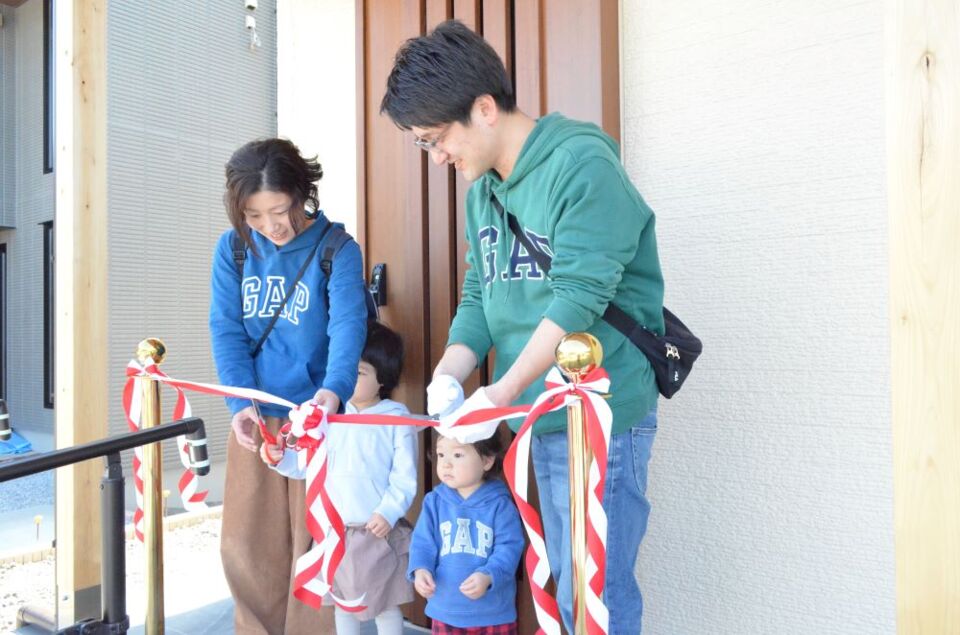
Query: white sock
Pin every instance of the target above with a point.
(390, 622)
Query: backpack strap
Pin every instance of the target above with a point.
(239, 251)
(336, 238)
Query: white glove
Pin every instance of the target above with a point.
(444, 395)
(475, 431)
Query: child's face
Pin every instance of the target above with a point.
(461, 466)
(367, 390)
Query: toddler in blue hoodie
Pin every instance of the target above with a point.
(467, 542)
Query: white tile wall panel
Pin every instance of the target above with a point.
(755, 131)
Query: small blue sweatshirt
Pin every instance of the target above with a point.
(310, 347)
(455, 538)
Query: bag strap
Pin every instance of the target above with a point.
(239, 251)
(614, 315)
(543, 260)
(293, 285)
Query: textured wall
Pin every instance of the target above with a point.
(184, 91)
(315, 38)
(28, 197)
(755, 130)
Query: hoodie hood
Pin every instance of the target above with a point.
(485, 495)
(549, 133)
(304, 240)
(383, 407)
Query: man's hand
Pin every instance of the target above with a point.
(444, 395)
(423, 583)
(475, 587)
(378, 525)
(327, 399)
(244, 423)
(473, 432)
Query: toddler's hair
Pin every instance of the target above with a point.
(494, 446)
(384, 351)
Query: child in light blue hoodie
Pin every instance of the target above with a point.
(371, 480)
(467, 542)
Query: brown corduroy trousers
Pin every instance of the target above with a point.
(263, 534)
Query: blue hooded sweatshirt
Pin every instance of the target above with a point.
(311, 346)
(455, 538)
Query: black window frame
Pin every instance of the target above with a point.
(49, 308)
(49, 149)
(3, 321)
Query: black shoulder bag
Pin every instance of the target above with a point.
(239, 258)
(671, 356)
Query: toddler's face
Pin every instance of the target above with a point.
(367, 389)
(460, 466)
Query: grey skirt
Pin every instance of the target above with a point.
(376, 567)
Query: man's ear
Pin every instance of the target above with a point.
(485, 107)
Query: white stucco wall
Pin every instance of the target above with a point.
(755, 131)
(317, 95)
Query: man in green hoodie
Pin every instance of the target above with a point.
(564, 183)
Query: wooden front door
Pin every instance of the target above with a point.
(563, 56)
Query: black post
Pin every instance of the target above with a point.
(113, 584)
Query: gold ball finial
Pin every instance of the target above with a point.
(151, 349)
(578, 354)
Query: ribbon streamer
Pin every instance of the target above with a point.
(316, 569)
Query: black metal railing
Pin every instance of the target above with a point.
(113, 564)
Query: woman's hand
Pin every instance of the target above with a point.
(271, 454)
(244, 423)
(423, 583)
(327, 399)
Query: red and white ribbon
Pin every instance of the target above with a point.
(191, 495)
(599, 421)
(316, 569)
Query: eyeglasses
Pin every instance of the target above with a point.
(430, 146)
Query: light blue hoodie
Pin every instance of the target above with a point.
(370, 468)
(310, 347)
(455, 538)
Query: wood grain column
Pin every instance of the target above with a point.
(923, 159)
(81, 296)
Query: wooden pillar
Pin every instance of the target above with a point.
(81, 296)
(923, 159)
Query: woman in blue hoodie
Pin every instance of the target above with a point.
(310, 353)
(467, 542)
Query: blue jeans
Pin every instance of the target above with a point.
(627, 509)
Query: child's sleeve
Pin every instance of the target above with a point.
(402, 486)
(424, 544)
(291, 465)
(507, 545)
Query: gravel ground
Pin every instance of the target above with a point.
(193, 576)
(28, 491)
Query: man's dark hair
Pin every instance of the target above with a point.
(384, 351)
(436, 78)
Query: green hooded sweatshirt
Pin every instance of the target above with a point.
(574, 200)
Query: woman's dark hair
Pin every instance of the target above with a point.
(492, 447)
(436, 78)
(273, 165)
(384, 351)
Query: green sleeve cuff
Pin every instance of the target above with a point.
(568, 316)
(476, 340)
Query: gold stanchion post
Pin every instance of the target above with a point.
(577, 354)
(152, 350)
